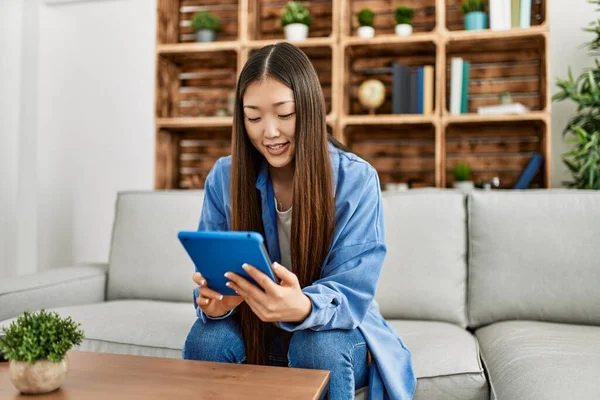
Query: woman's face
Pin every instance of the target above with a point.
(270, 120)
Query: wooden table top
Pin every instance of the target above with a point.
(110, 376)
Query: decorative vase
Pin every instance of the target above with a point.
(296, 32)
(38, 377)
(475, 21)
(404, 30)
(366, 32)
(205, 35)
(464, 186)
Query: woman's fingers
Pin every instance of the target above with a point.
(209, 293)
(198, 279)
(202, 301)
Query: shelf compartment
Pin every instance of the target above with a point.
(373, 61)
(226, 10)
(455, 16)
(196, 86)
(515, 64)
(264, 19)
(399, 153)
(385, 20)
(495, 149)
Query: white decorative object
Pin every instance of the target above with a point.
(38, 377)
(404, 30)
(464, 186)
(296, 32)
(503, 109)
(366, 32)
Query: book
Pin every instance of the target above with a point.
(399, 88)
(525, 20)
(515, 21)
(530, 171)
(503, 109)
(506, 13)
(464, 98)
(456, 85)
(420, 84)
(429, 89)
(495, 22)
(412, 90)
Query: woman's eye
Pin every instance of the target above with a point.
(253, 119)
(286, 116)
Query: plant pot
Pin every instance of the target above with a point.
(205, 35)
(404, 30)
(464, 186)
(296, 32)
(39, 377)
(366, 32)
(475, 21)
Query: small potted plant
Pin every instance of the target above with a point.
(366, 18)
(206, 25)
(475, 16)
(36, 346)
(462, 177)
(404, 17)
(296, 20)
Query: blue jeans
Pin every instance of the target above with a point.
(342, 352)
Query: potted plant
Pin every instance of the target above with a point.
(296, 20)
(404, 16)
(366, 18)
(583, 130)
(475, 16)
(462, 177)
(206, 25)
(36, 346)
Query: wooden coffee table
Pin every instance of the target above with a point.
(114, 377)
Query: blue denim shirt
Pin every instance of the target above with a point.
(343, 296)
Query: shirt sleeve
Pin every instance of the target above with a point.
(341, 297)
(212, 218)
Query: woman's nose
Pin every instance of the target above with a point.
(271, 130)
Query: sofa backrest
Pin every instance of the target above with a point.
(534, 255)
(425, 270)
(147, 261)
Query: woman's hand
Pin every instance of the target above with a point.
(212, 303)
(283, 302)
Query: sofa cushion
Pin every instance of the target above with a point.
(138, 327)
(147, 261)
(534, 255)
(424, 273)
(541, 360)
(445, 360)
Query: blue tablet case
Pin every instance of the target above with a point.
(215, 253)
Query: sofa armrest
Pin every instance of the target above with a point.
(56, 287)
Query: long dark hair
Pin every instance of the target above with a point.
(313, 219)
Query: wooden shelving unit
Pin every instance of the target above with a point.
(194, 80)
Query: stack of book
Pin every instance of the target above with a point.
(508, 14)
(459, 86)
(412, 89)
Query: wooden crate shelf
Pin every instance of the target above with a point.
(455, 17)
(194, 80)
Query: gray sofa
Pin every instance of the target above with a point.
(497, 294)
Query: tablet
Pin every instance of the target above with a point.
(215, 253)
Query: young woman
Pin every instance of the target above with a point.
(319, 210)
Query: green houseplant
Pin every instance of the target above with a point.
(366, 19)
(475, 16)
(206, 25)
(404, 16)
(462, 173)
(296, 20)
(583, 129)
(36, 345)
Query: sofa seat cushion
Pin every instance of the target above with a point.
(138, 327)
(540, 360)
(445, 359)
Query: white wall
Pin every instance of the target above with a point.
(567, 18)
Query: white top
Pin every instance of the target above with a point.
(284, 233)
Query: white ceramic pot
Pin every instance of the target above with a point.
(464, 186)
(205, 35)
(366, 32)
(404, 30)
(296, 32)
(38, 377)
